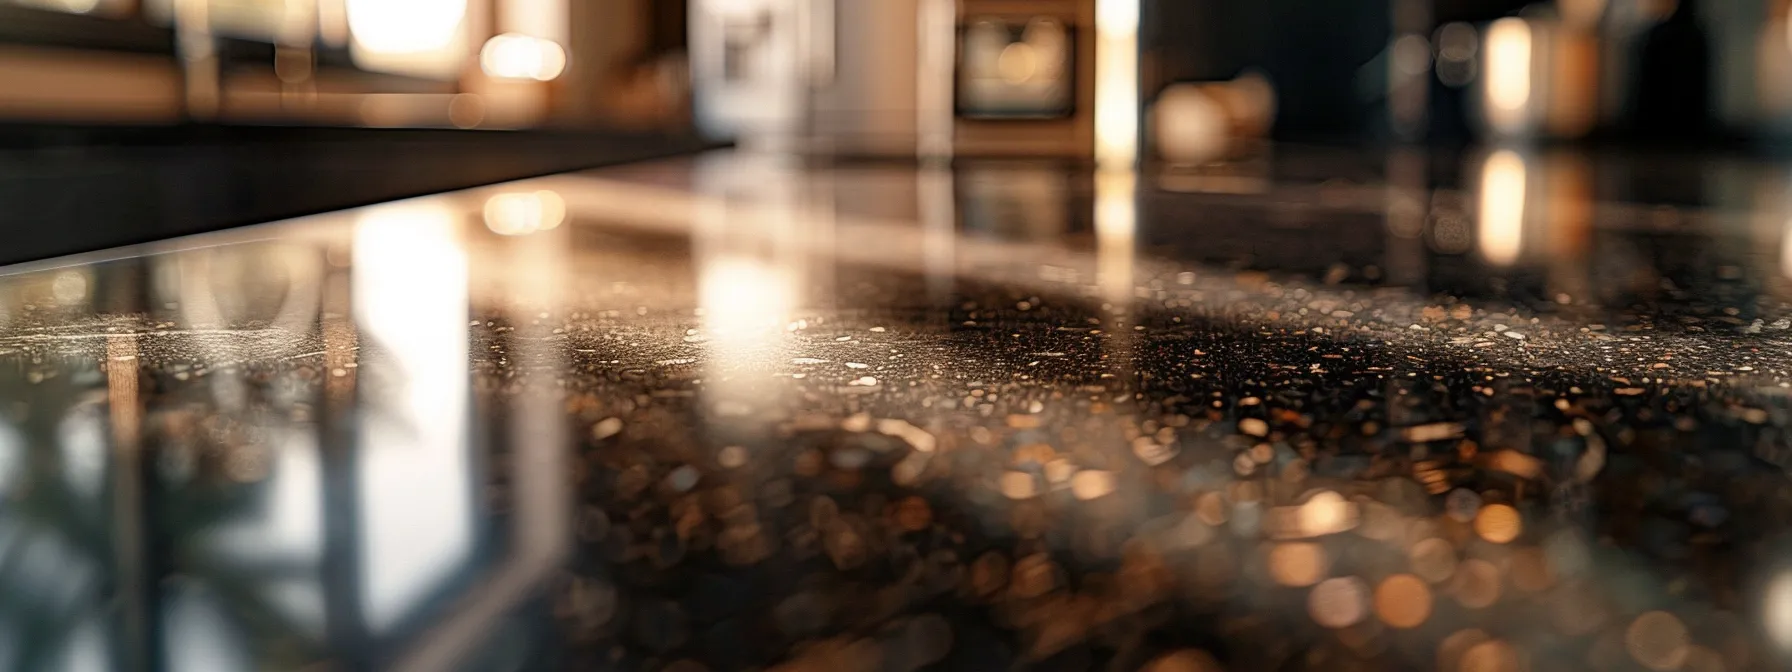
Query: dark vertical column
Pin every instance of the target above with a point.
(345, 625)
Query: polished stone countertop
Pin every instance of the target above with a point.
(1311, 410)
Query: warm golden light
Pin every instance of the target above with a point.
(1786, 251)
(514, 56)
(1116, 83)
(405, 26)
(1498, 523)
(1581, 14)
(1450, 652)
(1187, 660)
(1298, 564)
(516, 214)
(1501, 231)
(1339, 603)
(1508, 87)
(1327, 513)
(1116, 227)
(1092, 484)
(1017, 64)
(746, 302)
(1403, 601)
(1188, 125)
(1492, 656)
(1776, 610)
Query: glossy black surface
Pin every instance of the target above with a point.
(1319, 411)
(70, 189)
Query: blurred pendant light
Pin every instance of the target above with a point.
(518, 56)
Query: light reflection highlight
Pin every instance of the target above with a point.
(1501, 230)
(749, 286)
(414, 465)
(1776, 610)
(517, 214)
(1116, 230)
(1786, 250)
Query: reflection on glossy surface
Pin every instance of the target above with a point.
(1501, 230)
(737, 412)
(523, 213)
(416, 484)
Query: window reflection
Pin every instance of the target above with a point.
(413, 464)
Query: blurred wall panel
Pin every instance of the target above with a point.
(601, 35)
(873, 109)
(71, 85)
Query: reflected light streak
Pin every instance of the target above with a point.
(415, 482)
(1786, 251)
(1116, 224)
(1508, 87)
(748, 289)
(517, 214)
(1116, 83)
(1501, 230)
(749, 286)
(1776, 611)
(531, 275)
(935, 201)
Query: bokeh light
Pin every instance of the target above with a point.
(1298, 564)
(1403, 601)
(1658, 641)
(516, 56)
(1498, 523)
(1339, 603)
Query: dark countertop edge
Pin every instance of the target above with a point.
(45, 237)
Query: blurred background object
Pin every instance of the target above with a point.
(411, 63)
(922, 77)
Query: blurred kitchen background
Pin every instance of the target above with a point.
(928, 77)
(143, 119)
